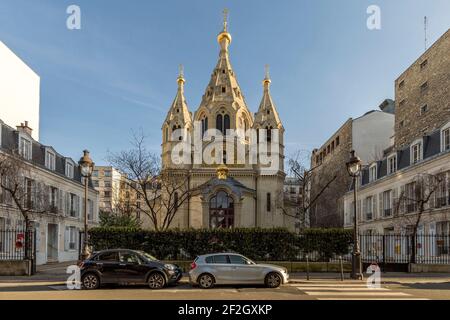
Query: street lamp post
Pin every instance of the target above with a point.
(354, 170)
(86, 168)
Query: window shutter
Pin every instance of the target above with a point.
(374, 207)
(402, 200)
(380, 205)
(394, 202)
(67, 206)
(66, 238)
(61, 202)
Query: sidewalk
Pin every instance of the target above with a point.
(54, 273)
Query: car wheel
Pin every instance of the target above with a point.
(206, 281)
(90, 281)
(273, 280)
(156, 281)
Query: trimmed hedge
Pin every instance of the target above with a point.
(257, 244)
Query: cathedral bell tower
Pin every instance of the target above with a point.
(178, 124)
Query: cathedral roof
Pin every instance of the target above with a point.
(230, 183)
(223, 85)
(179, 110)
(267, 112)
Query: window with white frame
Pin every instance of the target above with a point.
(74, 205)
(25, 148)
(387, 203)
(50, 160)
(392, 164)
(69, 169)
(416, 152)
(368, 207)
(71, 238)
(446, 139)
(373, 172)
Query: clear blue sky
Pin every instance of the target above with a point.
(118, 72)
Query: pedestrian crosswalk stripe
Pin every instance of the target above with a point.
(342, 289)
(375, 298)
(383, 293)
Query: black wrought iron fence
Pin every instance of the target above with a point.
(402, 248)
(16, 245)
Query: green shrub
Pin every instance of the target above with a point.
(258, 244)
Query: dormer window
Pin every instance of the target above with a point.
(50, 160)
(445, 136)
(373, 172)
(392, 164)
(69, 169)
(416, 152)
(25, 147)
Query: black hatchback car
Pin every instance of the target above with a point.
(123, 266)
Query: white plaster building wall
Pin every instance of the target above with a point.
(41, 221)
(19, 91)
(371, 134)
(396, 181)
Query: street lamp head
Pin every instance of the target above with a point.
(354, 164)
(86, 165)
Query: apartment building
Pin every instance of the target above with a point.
(368, 135)
(418, 160)
(53, 191)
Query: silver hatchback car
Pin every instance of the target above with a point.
(233, 268)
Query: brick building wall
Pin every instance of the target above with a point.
(422, 94)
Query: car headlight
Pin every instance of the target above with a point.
(170, 267)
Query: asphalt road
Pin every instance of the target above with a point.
(305, 290)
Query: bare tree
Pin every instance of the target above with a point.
(21, 191)
(416, 197)
(306, 199)
(162, 191)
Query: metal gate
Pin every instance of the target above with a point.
(18, 245)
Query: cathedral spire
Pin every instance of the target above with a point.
(179, 114)
(223, 88)
(267, 115)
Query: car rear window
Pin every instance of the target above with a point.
(237, 259)
(217, 259)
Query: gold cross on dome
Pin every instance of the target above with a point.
(181, 70)
(267, 68)
(225, 19)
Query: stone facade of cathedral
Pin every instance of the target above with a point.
(236, 188)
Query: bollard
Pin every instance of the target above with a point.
(307, 267)
(342, 268)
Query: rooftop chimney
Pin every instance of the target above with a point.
(24, 128)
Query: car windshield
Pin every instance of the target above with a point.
(148, 256)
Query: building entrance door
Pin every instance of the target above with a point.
(52, 242)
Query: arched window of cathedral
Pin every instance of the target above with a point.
(226, 123)
(219, 123)
(221, 211)
(269, 133)
(223, 123)
(204, 125)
